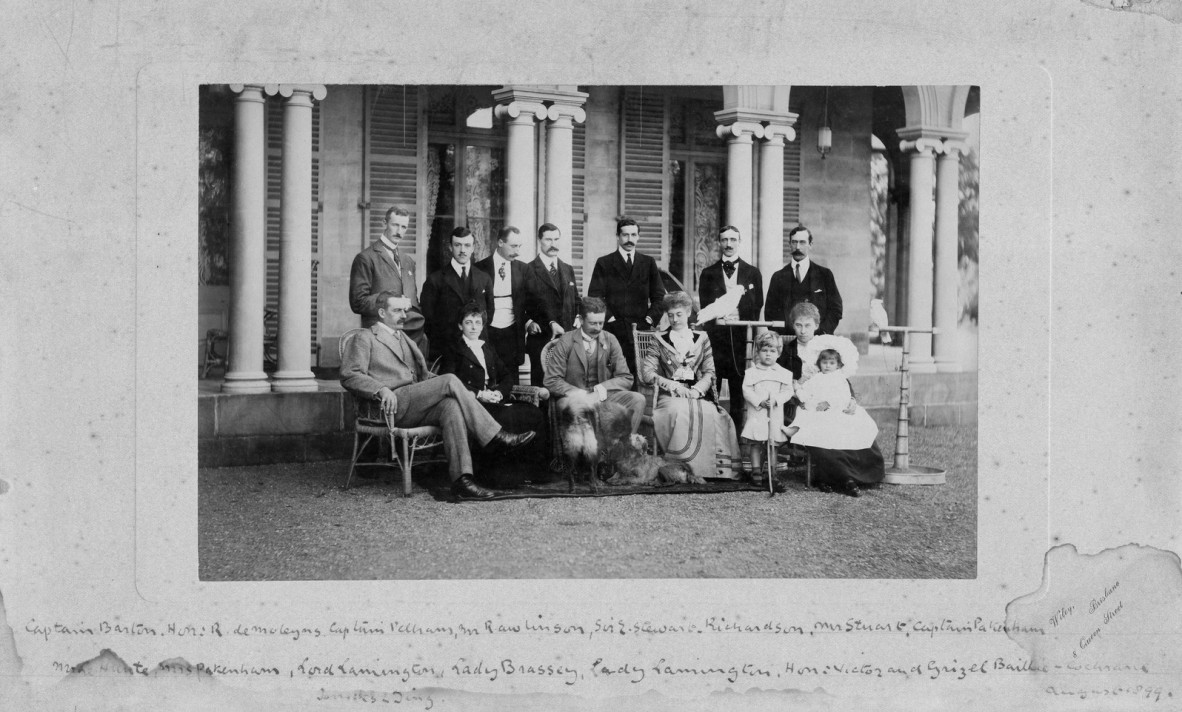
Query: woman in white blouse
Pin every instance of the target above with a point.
(689, 425)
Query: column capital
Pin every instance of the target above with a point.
(566, 111)
(938, 133)
(954, 146)
(248, 92)
(772, 133)
(520, 110)
(313, 91)
(923, 146)
(739, 130)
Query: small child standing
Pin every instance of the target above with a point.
(767, 386)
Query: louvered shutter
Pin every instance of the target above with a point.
(646, 161)
(791, 191)
(274, 156)
(393, 163)
(578, 225)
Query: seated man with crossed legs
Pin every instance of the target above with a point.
(383, 365)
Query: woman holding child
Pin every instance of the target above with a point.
(838, 433)
(689, 425)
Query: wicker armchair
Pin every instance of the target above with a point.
(405, 443)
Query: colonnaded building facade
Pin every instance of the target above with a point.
(295, 181)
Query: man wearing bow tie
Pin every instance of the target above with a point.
(729, 343)
(552, 298)
(381, 268)
(388, 375)
(803, 280)
(506, 327)
(630, 283)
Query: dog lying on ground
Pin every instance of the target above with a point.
(597, 437)
(633, 465)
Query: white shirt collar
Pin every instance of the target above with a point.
(389, 245)
(548, 261)
(804, 265)
(587, 338)
(734, 261)
(625, 254)
(474, 344)
(457, 266)
(389, 331)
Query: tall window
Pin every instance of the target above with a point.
(465, 170)
(697, 172)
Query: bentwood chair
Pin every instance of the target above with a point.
(552, 411)
(641, 341)
(405, 443)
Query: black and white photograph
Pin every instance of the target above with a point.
(484, 320)
(672, 356)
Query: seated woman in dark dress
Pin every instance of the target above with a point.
(834, 469)
(476, 364)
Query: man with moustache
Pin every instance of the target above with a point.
(380, 268)
(630, 284)
(729, 343)
(552, 299)
(589, 360)
(388, 375)
(803, 280)
(447, 290)
(506, 322)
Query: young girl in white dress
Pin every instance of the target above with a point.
(767, 386)
(829, 417)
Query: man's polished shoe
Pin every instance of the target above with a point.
(466, 488)
(504, 442)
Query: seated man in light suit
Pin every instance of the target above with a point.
(385, 366)
(590, 360)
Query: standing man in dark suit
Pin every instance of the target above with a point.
(630, 283)
(552, 299)
(380, 268)
(729, 343)
(803, 280)
(388, 374)
(447, 290)
(506, 322)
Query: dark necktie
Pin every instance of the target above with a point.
(629, 263)
(798, 276)
(729, 268)
(554, 274)
(464, 280)
(397, 262)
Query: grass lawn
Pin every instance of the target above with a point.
(293, 522)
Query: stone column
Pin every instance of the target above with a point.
(771, 197)
(244, 373)
(521, 167)
(295, 240)
(738, 176)
(947, 267)
(560, 135)
(919, 268)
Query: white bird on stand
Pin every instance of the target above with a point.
(721, 307)
(878, 318)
